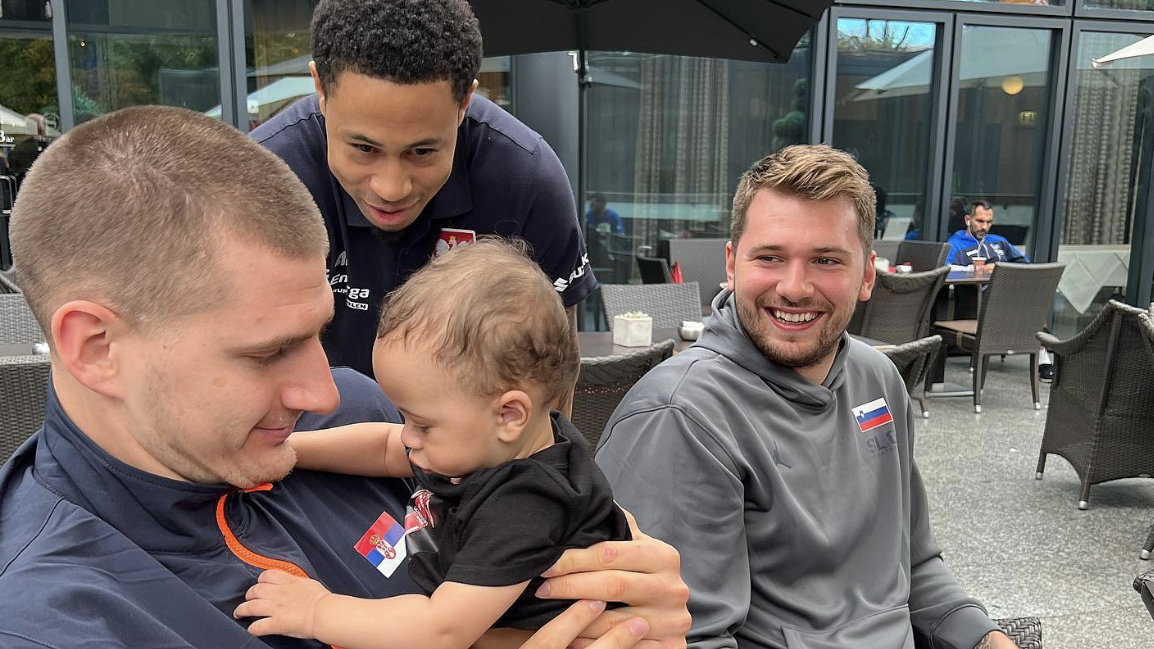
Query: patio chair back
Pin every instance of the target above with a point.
(653, 270)
(23, 390)
(604, 380)
(1101, 415)
(913, 360)
(922, 255)
(667, 304)
(899, 309)
(1015, 305)
(887, 248)
(17, 324)
(703, 261)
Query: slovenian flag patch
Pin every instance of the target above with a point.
(383, 544)
(873, 414)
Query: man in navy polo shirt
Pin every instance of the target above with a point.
(405, 160)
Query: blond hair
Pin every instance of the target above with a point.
(492, 317)
(812, 171)
(130, 209)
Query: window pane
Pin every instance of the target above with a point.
(1113, 141)
(276, 56)
(1137, 5)
(1034, 3)
(1003, 111)
(132, 52)
(882, 110)
(668, 138)
(24, 10)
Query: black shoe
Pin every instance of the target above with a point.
(1046, 372)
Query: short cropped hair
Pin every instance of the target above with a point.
(402, 41)
(812, 171)
(985, 205)
(129, 210)
(492, 318)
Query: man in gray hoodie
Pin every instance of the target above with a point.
(776, 453)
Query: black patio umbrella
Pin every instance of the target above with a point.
(751, 30)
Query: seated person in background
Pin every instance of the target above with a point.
(776, 453)
(976, 241)
(601, 218)
(479, 354)
(158, 489)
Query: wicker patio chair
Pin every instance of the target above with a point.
(1015, 305)
(1147, 326)
(913, 360)
(1026, 632)
(703, 261)
(922, 255)
(17, 324)
(1101, 415)
(604, 380)
(8, 283)
(899, 309)
(888, 249)
(23, 390)
(668, 304)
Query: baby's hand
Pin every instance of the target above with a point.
(286, 604)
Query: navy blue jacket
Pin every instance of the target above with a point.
(94, 553)
(505, 181)
(994, 248)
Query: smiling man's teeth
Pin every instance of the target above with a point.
(794, 317)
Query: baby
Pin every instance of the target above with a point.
(475, 350)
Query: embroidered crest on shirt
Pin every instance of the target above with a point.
(383, 544)
(451, 238)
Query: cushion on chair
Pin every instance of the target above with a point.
(957, 332)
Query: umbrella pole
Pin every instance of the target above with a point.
(582, 116)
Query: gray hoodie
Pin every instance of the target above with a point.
(801, 520)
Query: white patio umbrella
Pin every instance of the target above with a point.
(992, 57)
(1144, 47)
(275, 95)
(13, 123)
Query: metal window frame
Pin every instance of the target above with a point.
(965, 7)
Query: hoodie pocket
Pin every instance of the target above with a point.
(889, 629)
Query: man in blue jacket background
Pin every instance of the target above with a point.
(976, 241)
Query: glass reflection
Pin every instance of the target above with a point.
(882, 114)
(1109, 172)
(668, 137)
(132, 52)
(1000, 137)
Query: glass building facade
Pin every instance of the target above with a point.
(943, 101)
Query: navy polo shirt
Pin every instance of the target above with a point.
(506, 180)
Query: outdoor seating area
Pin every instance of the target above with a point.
(326, 298)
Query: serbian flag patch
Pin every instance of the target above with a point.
(873, 414)
(383, 544)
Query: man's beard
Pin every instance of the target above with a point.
(752, 317)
